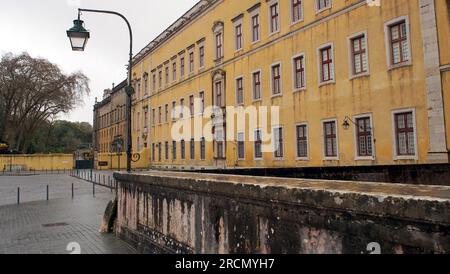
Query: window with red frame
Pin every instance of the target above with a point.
(399, 43)
(405, 135)
(274, 17)
(364, 137)
(238, 37)
(276, 79)
(297, 10)
(330, 136)
(255, 28)
(239, 91)
(359, 55)
(299, 72)
(326, 60)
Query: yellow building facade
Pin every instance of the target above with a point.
(355, 82)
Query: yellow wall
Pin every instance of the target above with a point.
(38, 161)
(443, 22)
(378, 94)
(113, 161)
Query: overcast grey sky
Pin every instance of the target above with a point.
(39, 27)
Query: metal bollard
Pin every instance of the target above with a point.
(47, 193)
(18, 195)
(93, 190)
(72, 190)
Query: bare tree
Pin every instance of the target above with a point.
(32, 91)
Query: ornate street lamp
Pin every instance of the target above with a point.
(78, 36)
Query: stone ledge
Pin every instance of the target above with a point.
(418, 203)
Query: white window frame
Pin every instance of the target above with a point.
(272, 95)
(236, 90)
(237, 145)
(352, 75)
(326, 158)
(270, 3)
(191, 51)
(319, 63)
(235, 25)
(394, 135)
(355, 137)
(192, 114)
(291, 6)
(307, 140)
(201, 45)
(260, 86)
(253, 14)
(202, 107)
(253, 145)
(274, 143)
(294, 88)
(316, 6)
(387, 38)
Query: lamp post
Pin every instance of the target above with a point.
(79, 36)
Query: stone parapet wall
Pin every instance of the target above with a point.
(170, 212)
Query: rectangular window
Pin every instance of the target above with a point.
(297, 10)
(153, 152)
(276, 79)
(146, 85)
(326, 64)
(240, 91)
(219, 45)
(154, 82)
(364, 137)
(159, 115)
(302, 141)
(202, 102)
(255, 28)
(159, 152)
(218, 93)
(191, 105)
(183, 149)
(359, 54)
(278, 138)
(299, 72)
(220, 143)
(192, 149)
(330, 139)
(405, 135)
(166, 113)
(201, 54)
(274, 17)
(174, 150)
(241, 145)
(258, 144)
(202, 148)
(174, 115)
(174, 71)
(181, 108)
(160, 78)
(323, 4)
(257, 85)
(399, 43)
(191, 62)
(238, 30)
(153, 117)
(167, 74)
(182, 66)
(166, 150)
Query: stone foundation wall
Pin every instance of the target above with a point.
(169, 212)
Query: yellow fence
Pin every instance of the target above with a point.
(36, 162)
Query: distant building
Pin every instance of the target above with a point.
(110, 125)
